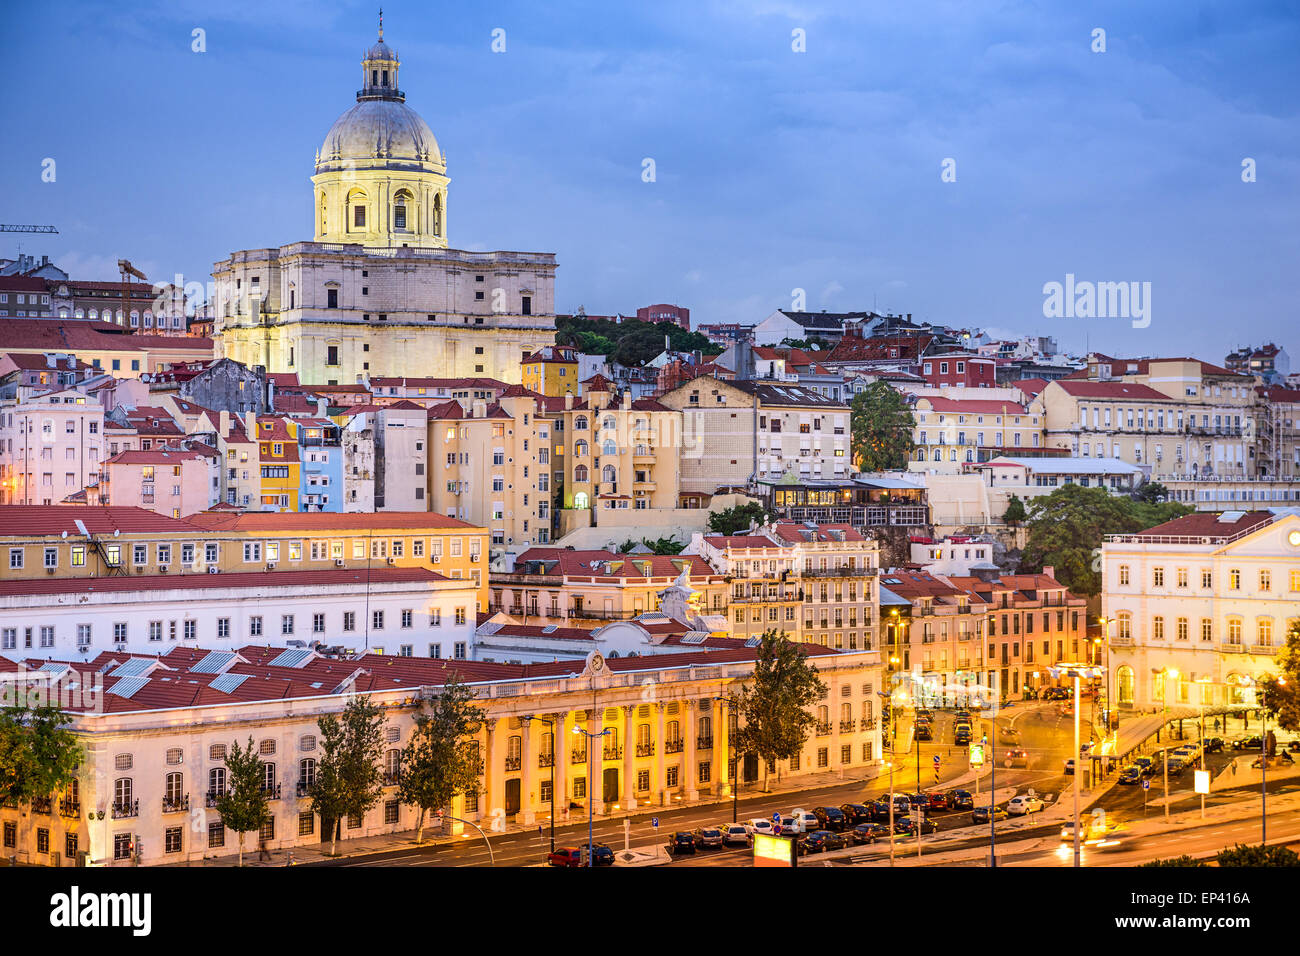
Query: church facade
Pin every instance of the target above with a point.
(379, 290)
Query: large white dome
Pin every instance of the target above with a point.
(380, 134)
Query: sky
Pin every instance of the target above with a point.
(775, 169)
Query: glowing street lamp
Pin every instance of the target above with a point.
(1086, 672)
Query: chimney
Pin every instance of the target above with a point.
(568, 401)
(223, 422)
(627, 400)
(1049, 570)
(478, 409)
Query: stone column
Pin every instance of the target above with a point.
(595, 763)
(720, 739)
(629, 757)
(661, 744)
(493, 772)
(563, 744)
(690, 728)
(527, 774)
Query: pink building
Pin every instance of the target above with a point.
(167, 481)
(665, 313)
(51, 446)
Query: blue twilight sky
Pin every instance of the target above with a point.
(776, 170)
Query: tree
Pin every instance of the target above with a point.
(1273, 855)
(737, 519)
(1177, 861)
(441, 759)
(881, 427)
(773, 710)
(1152, 492)
(243, 806)
(1015, 512)
(38, 754)
(348, 780)
(667, 545)
(1067, 527)
(1281, 698)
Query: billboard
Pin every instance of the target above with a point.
(775, 851)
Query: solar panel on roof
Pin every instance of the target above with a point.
(54, 666)
(214, 662)
(227, 683)
(1231, 517)
(549, 629)
(694, 637)
(135, 667)
(128, 686)
(753, 642)
(291, 658)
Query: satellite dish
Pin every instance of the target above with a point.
(116, 532)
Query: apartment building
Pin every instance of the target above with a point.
(588, 588)
(51, 446)
(1206, 599)
(950, 433)
(552, 371)
(490, 465)
(157, 739)
(737, 433)
(320, 463)
(169, 481)
(618, 455)
(101, 346)
(815, 583)
(426, 392)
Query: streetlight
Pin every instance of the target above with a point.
(1077, 671)
(731, 751)
(1204, 682)
(550, 724)
(1167, 674)
(591, 773)
(1263, 761)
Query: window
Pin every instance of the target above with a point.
(377, 620)
(1158, 577)
(1234, 579)
(1265, 580)
(216, 835)
(172, 840)
(306, 823)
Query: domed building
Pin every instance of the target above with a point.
(379, 292)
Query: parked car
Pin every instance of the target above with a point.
(708, 837)
(788, 826)
(602, 855)
(923, 732)
(1147, 765)
(814, 842)
(981, 814)
(830, 818)
(936, 800)
(1214, 745)
(807, 823)
(869, 832)
(683, 841)
(1248, 742)
(1130, 774)
(1022, 804)
(855, 813)
(836, 841)
(1008, 735)
(959, 800)
(734, 834)
(760, 825)
(1069, 767)
(907, 827)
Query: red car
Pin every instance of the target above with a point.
(572, 856)
(936, 801)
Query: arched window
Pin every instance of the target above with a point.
(580, 474)
(580, 449)
(581, 501)
(823, 714)
(706, 728)
(580, 423)
(324, 214)
(1125, 677)
(81, 314)
(437, 215)
(401, 201)
(1264, 631)
(217, 781)
(94, 313)
(609, 473)
(938, 454)
(920, 454)
(174, 788)
(608, 448)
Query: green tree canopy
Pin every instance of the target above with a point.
(1151, 492)
(881, 427)
(1177, 861)
(1272, 855)
(243, 805)
(1281, 698)
(1066, 529)
(442, 758)
(631, 343)
(348, 778)
(773, 707)
(736, 520)
(1015, 512)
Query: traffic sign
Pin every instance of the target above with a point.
(776, 818)
(1146, 784)
(654, 822)
(936, 761)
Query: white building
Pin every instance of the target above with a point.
(388, 610)
(1209, 596)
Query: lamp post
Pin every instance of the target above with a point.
(591, 772)
(1263, 764)
(1169, 673)
(551, 725)
(891, 813)
(1076, 671)
(1204, 682)
(732, 755)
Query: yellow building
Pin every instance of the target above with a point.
(950, 432)
(491, 466)
(86, 542)
(278, 463)
(552, 371)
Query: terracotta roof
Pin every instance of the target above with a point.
(974, 406)
(1207, 524)
(157, 456)
(1030, 386)
(325, 521)
(1080, 388)
(38, 362)
(794, 531)
(55, 519)
(598, 563)
(540, 630)
(259, 580)
(389, 382)
(853, 348)
(741, 542)
(598, 383)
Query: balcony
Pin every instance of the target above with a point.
(867, 723)
(613, 753)
(837, 572)
(1264, 650)
(600, 614)
(1227, 647)
(645, 750)
(578, 756)
(514, 762)
(393, 778)
(846, 726)
(272, 792)
(546, 760)
(703, 743)
(43, 805)
(70, 807)
(673, 746)
(125, 809)
(177, 804)
(303, 787)
(823, 729)
(211, 798)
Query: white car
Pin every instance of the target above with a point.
(805, 821)
(759, 825)
(1018, 806)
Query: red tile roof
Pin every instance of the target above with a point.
(974, 406)
(794, 531)
(741, 542)
(55, 519)
(156, 456)
(327, 521)
(1207, 524)
(1118, 391)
